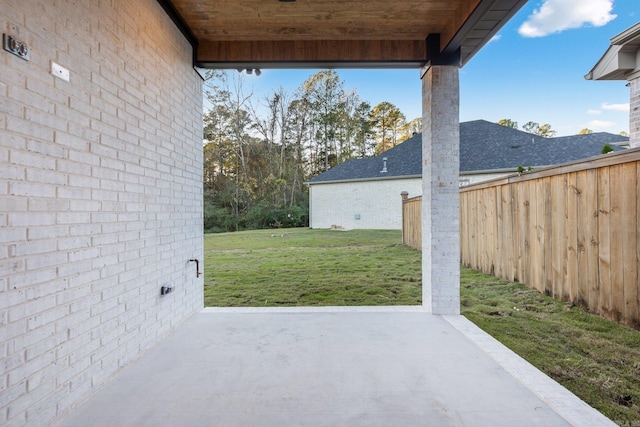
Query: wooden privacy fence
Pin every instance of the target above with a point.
(570, 231)
(412, 222)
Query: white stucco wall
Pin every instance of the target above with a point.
(100, 197)
(378, 203)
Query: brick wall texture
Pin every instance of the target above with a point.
(100, 197)
(440, 192)
(378, 203)
(634, 113)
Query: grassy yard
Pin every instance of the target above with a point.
(310, 267)
(596, 359)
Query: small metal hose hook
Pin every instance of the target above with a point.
(198, 273)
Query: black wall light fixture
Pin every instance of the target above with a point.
(258, 71)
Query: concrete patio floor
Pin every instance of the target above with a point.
(349, 366)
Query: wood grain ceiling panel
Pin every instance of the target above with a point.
(244, 33)
(251, 20)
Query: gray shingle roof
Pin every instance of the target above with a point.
(484, 146)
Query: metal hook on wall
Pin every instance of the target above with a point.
(198, 273)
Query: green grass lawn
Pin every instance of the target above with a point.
(310, 267)
(596, 359)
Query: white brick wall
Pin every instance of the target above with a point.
(634, 112)
(100, 197)
(378, 203)
(440, 192)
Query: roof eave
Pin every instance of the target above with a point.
(608, 66)
(375, 178)
(619, 61)
(630, 35)
(489, 171)
(484, 23)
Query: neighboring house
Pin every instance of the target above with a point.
(365, 193)
(621, 61)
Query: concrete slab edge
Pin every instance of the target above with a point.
(330, 309)
(569, 406)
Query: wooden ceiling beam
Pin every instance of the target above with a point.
(310, 53)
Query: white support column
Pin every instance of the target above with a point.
(440, 197)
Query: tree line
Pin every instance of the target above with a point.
(531, 127)
(259, 153)
(543, 130)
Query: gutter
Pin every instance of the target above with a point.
(629, 35)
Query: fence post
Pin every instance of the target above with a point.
(404, 196)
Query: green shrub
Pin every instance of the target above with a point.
(606, 148)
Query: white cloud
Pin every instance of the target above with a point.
(593, 112)
(615, 107)
(495, 38)
(598, 125)
(555, 16)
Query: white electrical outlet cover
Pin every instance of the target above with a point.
(59, 71)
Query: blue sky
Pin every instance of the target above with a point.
(533, 70)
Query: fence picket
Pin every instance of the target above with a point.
(604, 249)
(630, 240)
(616, 235)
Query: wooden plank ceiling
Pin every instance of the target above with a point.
(337, 33)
